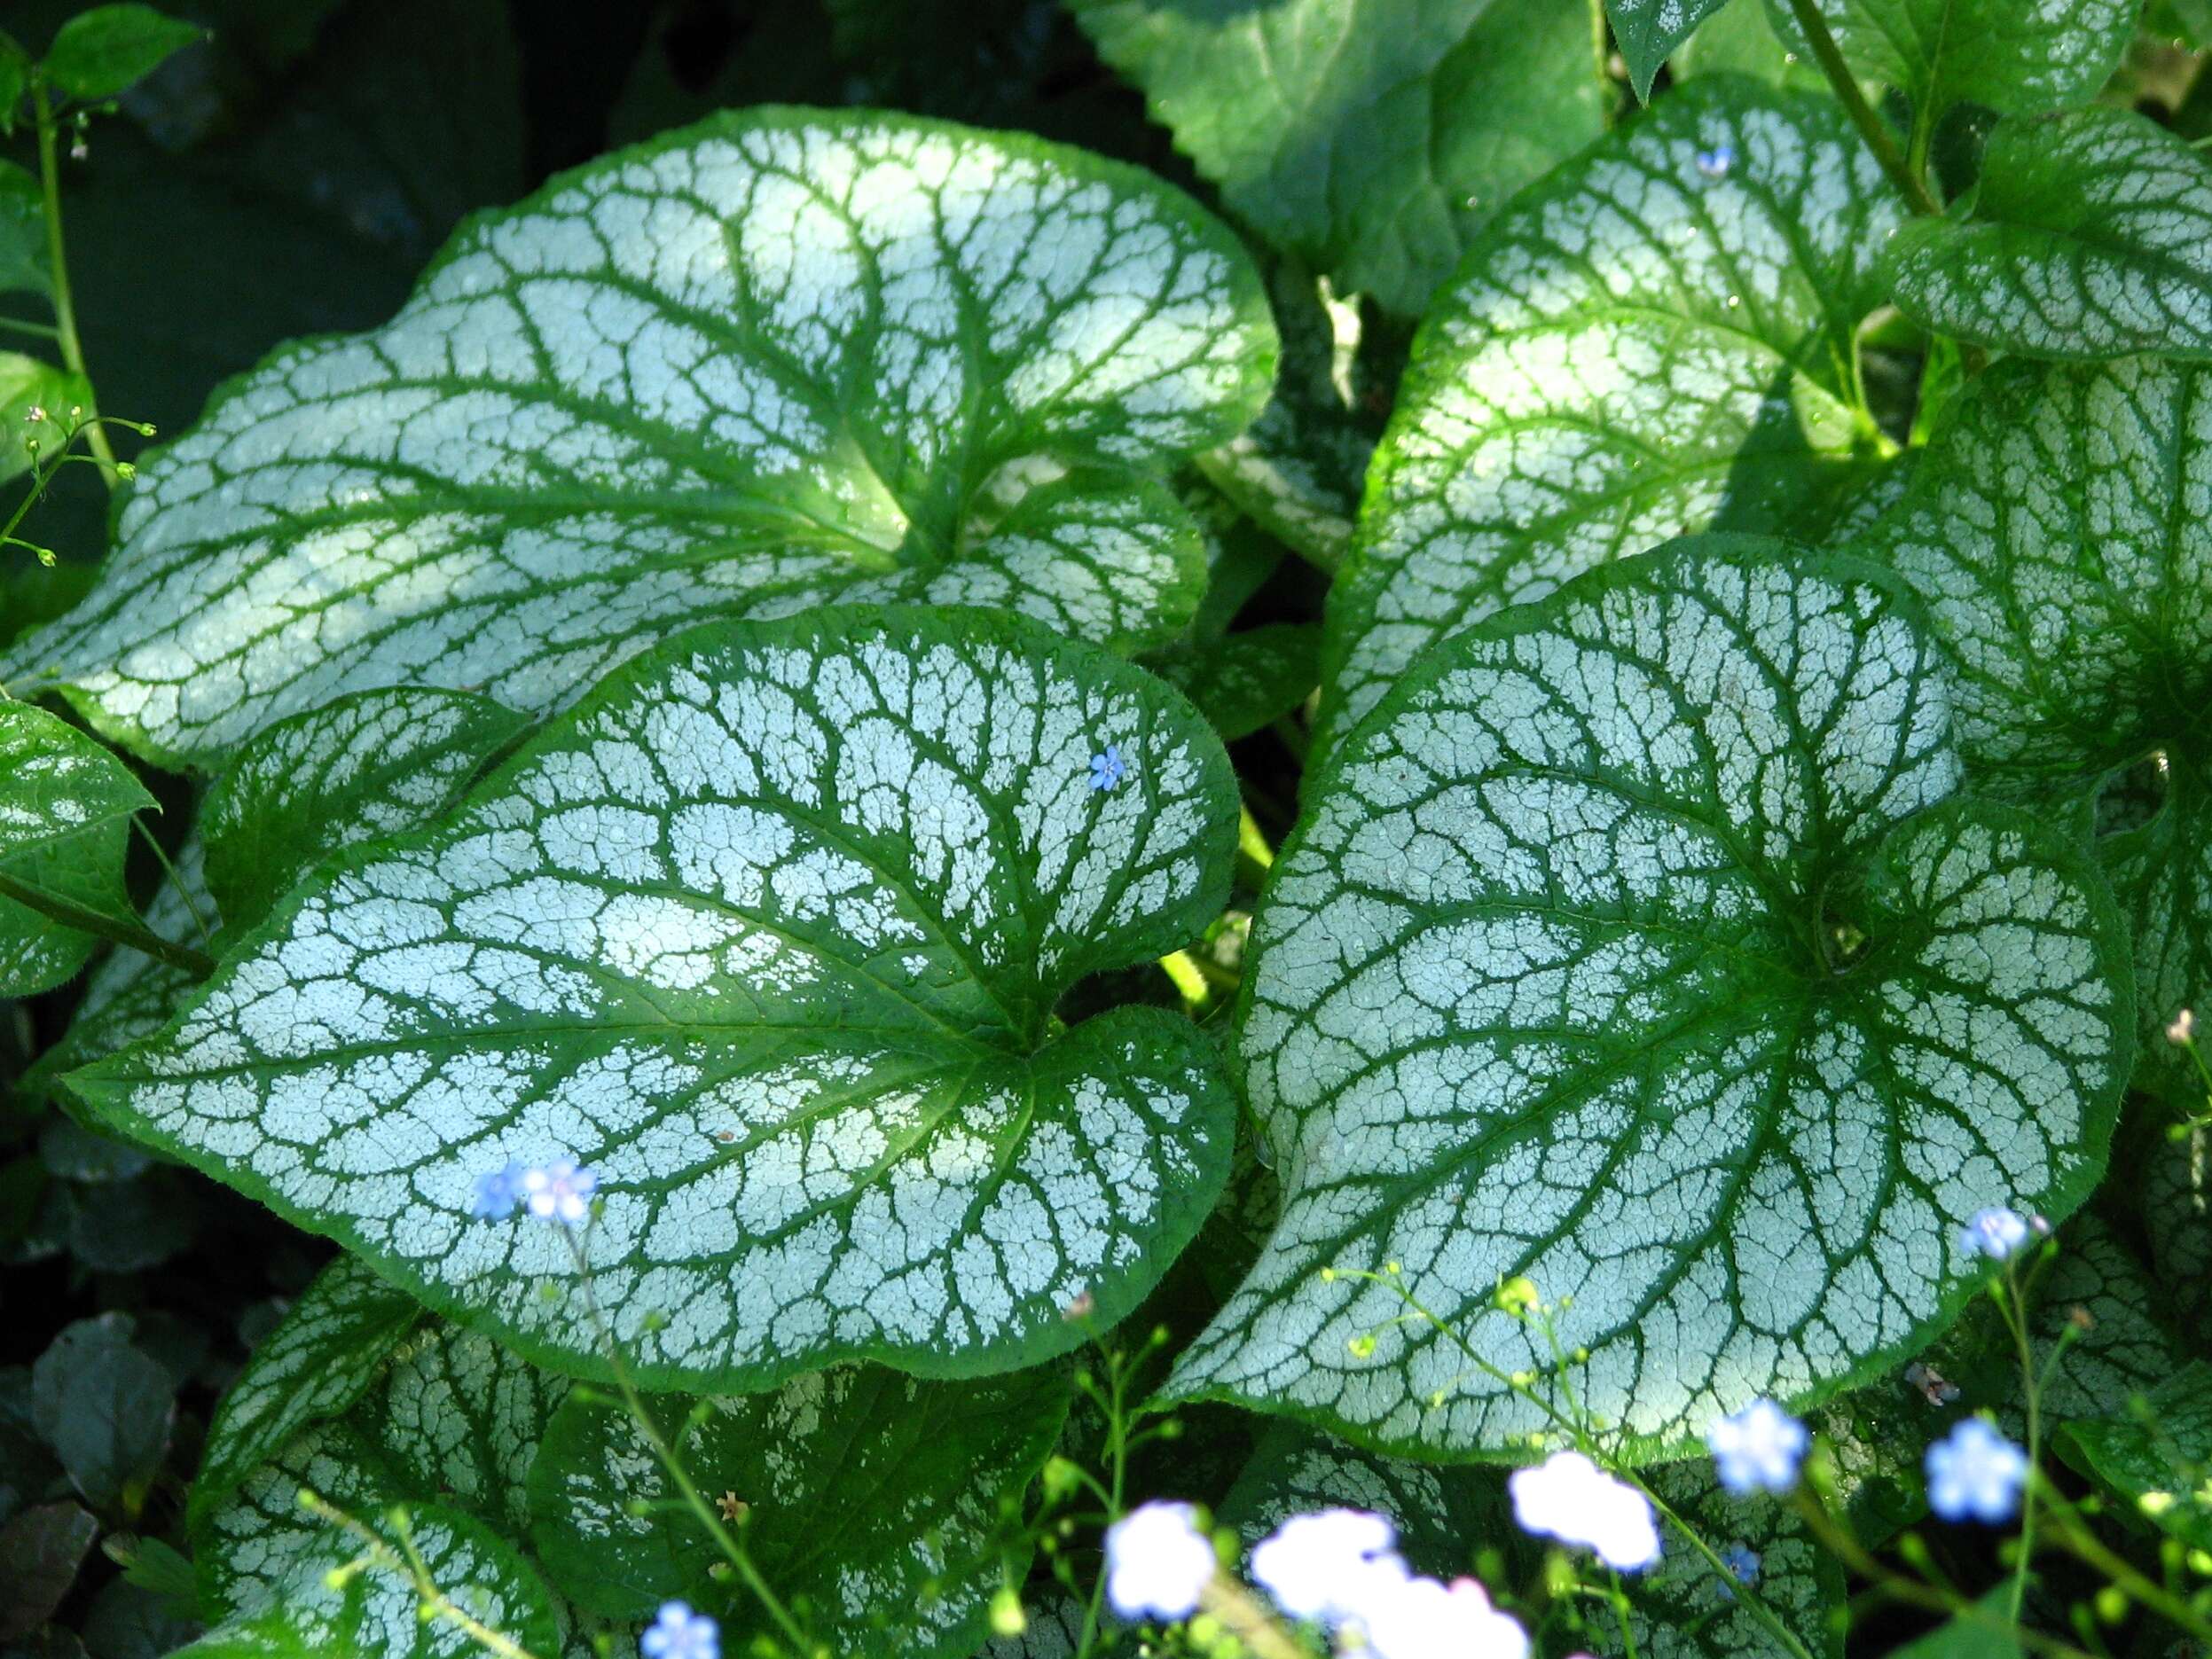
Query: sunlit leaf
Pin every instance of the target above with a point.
(769, 932)
(1636, 945)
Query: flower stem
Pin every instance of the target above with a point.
(1845, 85)
(57, 256)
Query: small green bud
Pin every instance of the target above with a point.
(1515, 1296)
(1006, 1618)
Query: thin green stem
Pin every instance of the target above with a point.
(137, 938)
(2086, 1545)
(2031, 1390)
(1845, 85)
(434, 1602)
(1116, 1496)
(24, 326)
(57, 258)
(1252, 842)
(168, 868)
(1601, 39)
(694, 1499)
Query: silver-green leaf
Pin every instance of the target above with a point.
(1655, 340)
(2091, 238)
(65, 825)
(365, 766)
(2014, 55)
(1637, 945)
(769, 931)
(2056, 531)
(781, 357)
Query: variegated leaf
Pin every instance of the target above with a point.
(330, 1608)
(1366, 138)
(2066, 576)
(2013, 56)
(2091, 238)
(770, 932)
(367, 765)
(1635, 944)
(337, 1340)
(776, 358)
(65, 825)
(451, 1417)
(1658, 339)
(2155, 1452)
(871, 1504)
(1647, 32)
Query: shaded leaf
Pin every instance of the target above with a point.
(1649, 31)
(101, 52)
(1366, 138)
(106, 1410)
(41, 1550)
(2158, 1456)
(2014, 55)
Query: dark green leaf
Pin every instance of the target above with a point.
(40, 1553)
(2157, 1454)
(23, 267)
(98, 53)
(1649, 31)
(106, 1410)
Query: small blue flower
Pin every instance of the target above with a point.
(559, 1191)
(1995, 1232)
(1108, 767)
(1759, 1450)
(1715, 161)
(498, 1192)
(1743, 1563)
(679, 1633)
(1976, 1473)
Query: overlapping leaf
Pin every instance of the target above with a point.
(1650, 30)
(1636, 945)
(1657, 339)
(65, 824)
(1366, 138)
(2013, 56)
(2066, 575)
(336, 1341)
(871, 1504)
(779, 357)
(365, 766)
(2091, 238)
(2157, 1453)
(769, 932)
(1686, 1610)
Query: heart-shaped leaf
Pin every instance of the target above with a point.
(1366, 139)
(1635, 945)
(1683, 1609)
(2068, 581)
(365, 766)
(337, 1340)
(870, 1504)
(2091, 238)
(1657, 339)
(779, 357)
(2014, 55)
(65, 824)
(769, 931)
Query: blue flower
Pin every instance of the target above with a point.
(1157, 1562)
(679, 1633)
(1976, 1473)
(1995, 1232)
(1759, 1450)
(1714, 163)
(1743, 1563)
(1569, 1498)
(498, 1192)
(1108, 767)
(559, 1191)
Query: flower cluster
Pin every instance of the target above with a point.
(559, 1191)
(1759, 1450)
(1569, 1498)
(681, 1633)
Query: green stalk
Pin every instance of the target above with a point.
(1830, 57)
(114, 928)
(57, 256)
